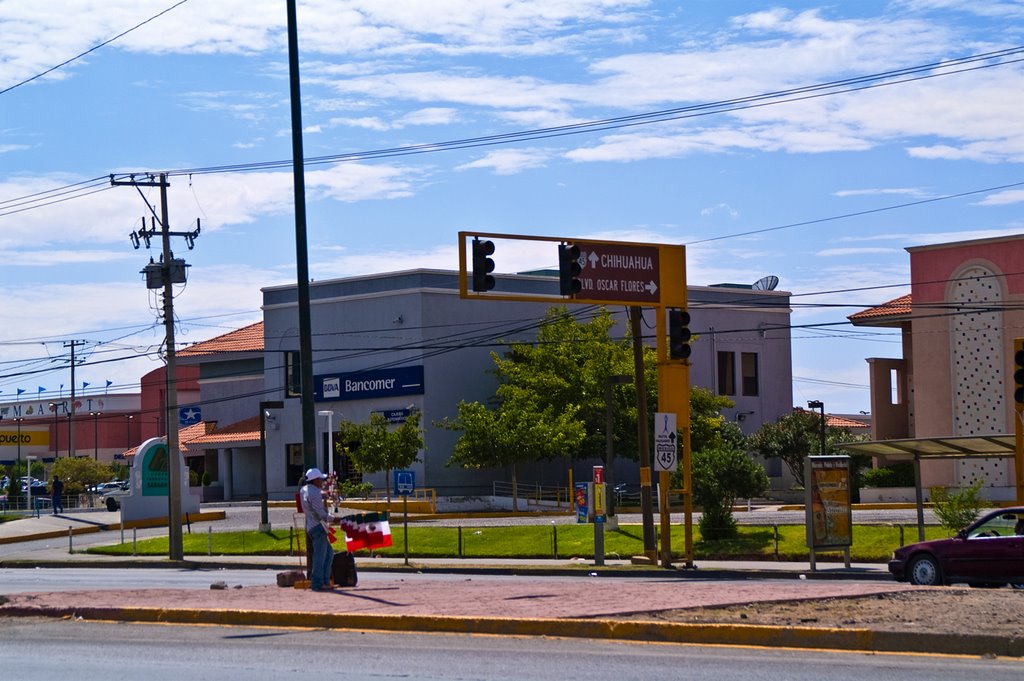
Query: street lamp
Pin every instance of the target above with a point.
(95, 434)
(264, 512)
(330, 440)
(56, 431)
(18, 421)
(128, 431)
(28, 482)
(818, 404)
(609, 453)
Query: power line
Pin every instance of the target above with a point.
(92, 49)
(944, 68)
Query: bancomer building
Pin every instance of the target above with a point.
(396, 342)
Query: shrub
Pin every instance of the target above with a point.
(896, 475)
(958, 510)
(351, 488)
(206, 479)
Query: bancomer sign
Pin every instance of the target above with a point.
(362, 385)
(619, 272)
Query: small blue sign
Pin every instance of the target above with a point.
(363, 385)
(189, 416)
(405, 482)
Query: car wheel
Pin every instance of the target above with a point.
(112, 504)
(924, 571)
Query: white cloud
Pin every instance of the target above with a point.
(881, 191)
(720, 208)
(835, 252)
(1003, 198)
(509, 161)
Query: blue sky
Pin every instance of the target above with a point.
(204, 84)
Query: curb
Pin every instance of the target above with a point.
(511, 570)
(863, 640)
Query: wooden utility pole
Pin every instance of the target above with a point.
(165, 274)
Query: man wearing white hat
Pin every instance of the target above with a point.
(317, 522)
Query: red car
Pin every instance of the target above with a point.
(989, 552)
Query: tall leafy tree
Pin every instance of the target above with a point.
(518, 430)
(379, 447)
(796, 436)
(81, 473)
(568, 366)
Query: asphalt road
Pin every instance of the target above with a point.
(42, 650)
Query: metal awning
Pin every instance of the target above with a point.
(915, 449)
(959, 447)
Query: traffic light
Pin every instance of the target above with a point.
(483, 265)
(569, 269)
(1018, 371)
(678, 334)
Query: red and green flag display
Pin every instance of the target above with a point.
(366, 531)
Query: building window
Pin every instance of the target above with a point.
(748, 366)
(726, 373)
(292, 375)
(296, 459)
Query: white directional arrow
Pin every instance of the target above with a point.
(652, 288)
(593, 259)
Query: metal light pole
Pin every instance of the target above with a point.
(18, 421)
(56, 431)
(818, 404)
(95, 434)
(28, 482)
(128, 431)
(264, 512)
(330, 440)
(609, 450)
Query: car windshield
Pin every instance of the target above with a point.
(1001, 525)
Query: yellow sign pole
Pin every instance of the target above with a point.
(674, 396)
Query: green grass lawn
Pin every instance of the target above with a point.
(871, 543)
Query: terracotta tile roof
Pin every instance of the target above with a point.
(843, 422)
(897, 307)
(246, 339)
(247, 430)
(185, 436)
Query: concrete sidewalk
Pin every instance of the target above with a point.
(598, 603)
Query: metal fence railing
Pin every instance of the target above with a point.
(534, 493)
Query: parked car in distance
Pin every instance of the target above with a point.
(111, 498)
(107, 486)
(989, 552)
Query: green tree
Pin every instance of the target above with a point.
(792, 438)
(517, 431)
(722, 474)
(568, 366)
(79, 474)
(381, 448)
(708, 428)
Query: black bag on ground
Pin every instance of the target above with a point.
(343, 570)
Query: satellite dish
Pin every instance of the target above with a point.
(766, 283)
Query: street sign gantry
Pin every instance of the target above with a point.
(597, 272)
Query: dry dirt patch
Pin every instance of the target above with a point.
(935, 610)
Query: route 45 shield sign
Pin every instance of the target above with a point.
(666, 442)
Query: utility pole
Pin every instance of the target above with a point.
(309, 436)
(71, 414)
(165, 274)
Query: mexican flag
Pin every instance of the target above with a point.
(366, 531)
